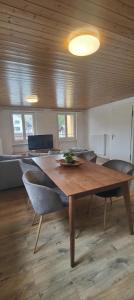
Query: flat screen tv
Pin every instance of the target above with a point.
(42, 141)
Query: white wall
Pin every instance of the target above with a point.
(114, 120)
(5, 131)
(46, 123)
(82, 129)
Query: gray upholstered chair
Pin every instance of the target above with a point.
(27, 164)
(43, 198)
(121, 166)
(89, 155)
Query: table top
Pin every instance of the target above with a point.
(88, 177)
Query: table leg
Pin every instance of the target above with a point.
(126, 194)
(72, 231)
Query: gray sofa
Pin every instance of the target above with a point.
(11, 168)
(10, 174)
(10, 171)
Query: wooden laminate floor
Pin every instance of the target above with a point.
(106, 259)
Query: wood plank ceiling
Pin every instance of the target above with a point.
(34, 58)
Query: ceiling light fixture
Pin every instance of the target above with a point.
(84, 44)
(32, 99)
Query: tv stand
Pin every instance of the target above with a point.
(39, 151)
(43, 151)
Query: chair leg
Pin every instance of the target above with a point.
(38, 233)
(111, 203)
(33, 223)
(90, 206)
(105, 213)
(28, 203)
(77, 233)
(89, 213)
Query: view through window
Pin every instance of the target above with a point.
(66, 125)
(22, 126)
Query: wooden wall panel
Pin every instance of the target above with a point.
(34, 58)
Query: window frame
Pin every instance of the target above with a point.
(22, 113)
(66, 138)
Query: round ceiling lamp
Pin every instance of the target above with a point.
(32, 99)
(84, 44)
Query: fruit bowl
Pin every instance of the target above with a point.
(74, 163)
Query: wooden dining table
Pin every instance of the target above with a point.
(88, 178)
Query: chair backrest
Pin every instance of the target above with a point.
(120, 165)
(43, 199)
(28, 164)
(90, 156)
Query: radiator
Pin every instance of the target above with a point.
(98, 143)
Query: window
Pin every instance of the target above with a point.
(23, 125)
(67, 125)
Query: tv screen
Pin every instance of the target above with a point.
(44, 141)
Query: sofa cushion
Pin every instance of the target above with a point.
(10, 174)
(78, 150)
(9, 157)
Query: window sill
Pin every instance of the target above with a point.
(68, 139)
